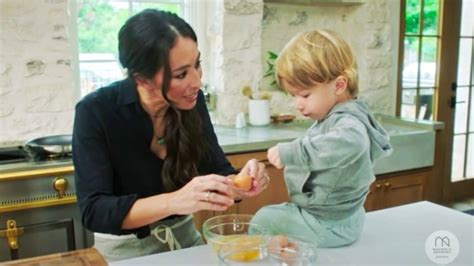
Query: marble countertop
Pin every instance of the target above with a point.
(404, 235)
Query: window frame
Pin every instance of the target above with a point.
(191, 11)
(401, 56)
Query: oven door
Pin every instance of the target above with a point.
(29, 240)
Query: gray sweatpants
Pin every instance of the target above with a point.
(290, 220)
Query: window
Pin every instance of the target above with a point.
(98, 23)
(463, 139)
(420, 51)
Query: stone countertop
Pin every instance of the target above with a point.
(412, 140)
(413, 143)
(251, 138)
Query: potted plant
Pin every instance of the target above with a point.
(258, 106)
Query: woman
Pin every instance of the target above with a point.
(145, 154)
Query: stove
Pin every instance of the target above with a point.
(16, 154)
(38, 206)
(12, 155)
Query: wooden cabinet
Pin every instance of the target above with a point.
(389, 190)
(394, 189)
(274, 194)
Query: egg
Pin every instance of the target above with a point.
(243, 182)
(277, 243)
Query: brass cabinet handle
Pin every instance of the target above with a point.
(387, 185)
(11, 233)
(60, 184)
(378, 186)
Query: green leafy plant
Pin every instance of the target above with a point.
(271, 57)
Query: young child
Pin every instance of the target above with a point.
(329, 170)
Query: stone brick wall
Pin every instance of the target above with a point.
(370, 27)
(36, 82)
(37, 91)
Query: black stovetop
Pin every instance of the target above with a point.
(15, 155)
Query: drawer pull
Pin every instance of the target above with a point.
(60, 184)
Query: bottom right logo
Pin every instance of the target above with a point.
(442, 247)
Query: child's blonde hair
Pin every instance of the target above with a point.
(314, 57)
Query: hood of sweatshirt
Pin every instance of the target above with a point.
(379, 138)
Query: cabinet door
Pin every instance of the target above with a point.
(375, 197)
(38, 239)
(274, 194)
(404, 189)
(276, 191)
(396, 189)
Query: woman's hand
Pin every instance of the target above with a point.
(260, 179)
(209, 192)
(274, 157)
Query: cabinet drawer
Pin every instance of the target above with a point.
(396, 189)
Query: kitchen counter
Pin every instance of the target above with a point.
(394, 236)
(413, 143)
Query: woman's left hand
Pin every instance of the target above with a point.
(260, 179)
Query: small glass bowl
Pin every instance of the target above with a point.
(278, 250)
(233, 230)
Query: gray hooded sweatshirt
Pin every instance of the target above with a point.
(328, 171)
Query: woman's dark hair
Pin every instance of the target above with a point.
(144, 44)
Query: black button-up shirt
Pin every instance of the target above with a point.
(113, 163)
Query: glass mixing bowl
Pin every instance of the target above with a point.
(278, 250)
(234, 231)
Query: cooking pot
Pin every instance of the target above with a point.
(48, 147)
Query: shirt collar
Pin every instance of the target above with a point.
(127, 92)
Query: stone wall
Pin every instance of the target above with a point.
(36, 81)
(367, 26)
(37, 91)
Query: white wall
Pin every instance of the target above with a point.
(37, 93)
(36, 81)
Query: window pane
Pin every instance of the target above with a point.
(410, 63)
(467, 22)
(460, 117)
(174, 8)
(470, 157)
(457, 167)
(471, 116)
(412, 16)
(465, 61)
(428, 62)
(430, 16)
(408, 109)
(98, 23)
(426, 104)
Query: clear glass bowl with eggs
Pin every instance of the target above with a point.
(235, 231)
(278, 250)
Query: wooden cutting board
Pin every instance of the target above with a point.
(82, 257)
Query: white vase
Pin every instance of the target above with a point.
(259, 112)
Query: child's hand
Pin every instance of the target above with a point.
(274, 157)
